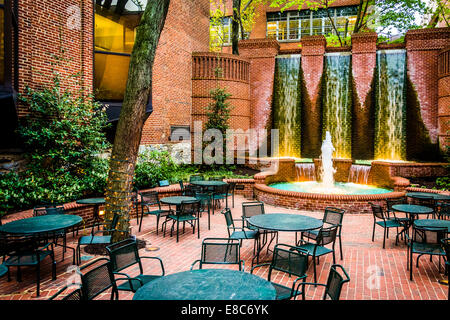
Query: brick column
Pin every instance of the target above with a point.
(444, 99)
(423, 47)
(313, 50)
(261, 54)
(364, 58)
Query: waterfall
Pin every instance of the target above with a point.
(359, 174)
(390, 115)
(305, 171)
(337, 104)
(286, 106)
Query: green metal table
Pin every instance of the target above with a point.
(433, 223)
(96, 202)
(435, 196)
(283, 222)
(207, 284)
(176, 200)
(412, 211)
(41, 225)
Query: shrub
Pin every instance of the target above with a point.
(63, 136)
(153, 166)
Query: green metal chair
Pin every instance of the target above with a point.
(205, 203)
(189, 212)
(220, 251)
(425, 241)
(291, 260)
(220, 193)
(385, 223)
(196, 177)
(444, 211)
(446, 246)
(331, 217)
(326, 236)
(163, 183)
(150, 205)
(239, 233)
(180, 182)
(427, 201)
(231, 191)
(107, 231)
(28, 251)
(93, 282)
(124, 255)
(335, 282)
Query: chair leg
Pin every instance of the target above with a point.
(384, 238)
(38, 279)
(340, 247)
(157, 224)
(373, 232)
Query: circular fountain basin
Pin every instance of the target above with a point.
(340, 188)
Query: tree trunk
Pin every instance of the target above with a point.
(235, 26)
(132, 116)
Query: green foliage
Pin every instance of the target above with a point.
(218, 111)
(153, 166)
(443, 183)
(63, 136)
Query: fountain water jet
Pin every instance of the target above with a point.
(327, 162)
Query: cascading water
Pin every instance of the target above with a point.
(327, 162)
(286, 107)
(305, 171)
(337, 104)
(390, 117)
(359, 174)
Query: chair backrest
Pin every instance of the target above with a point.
(335, 282)
(444, 210)
(222, 189)
(189, 207)
(327, 235)
(429, 235)
(333, 216)
(124, 254)
(196, 177)
(446, 246)
(180, 182)
(216, 178)
(391, 202)
(48, 209)
(427, 201)
(252, 208)
(149, 197)
(97, 280)
(220, 251)
(75, 295)
(228, 219)
(377, 211)
(164, 183)
(231, 186)
(190, 190)
(289, 259)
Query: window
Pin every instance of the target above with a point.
(115, 24)
(221, 32)
(292, 25)
(180, 133)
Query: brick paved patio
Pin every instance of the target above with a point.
(365, 261)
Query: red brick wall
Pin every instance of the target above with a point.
(186, 30)
(444, 99)
(423, 47)
(44, 28)
(261, 54)
(313, 49)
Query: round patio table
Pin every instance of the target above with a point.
(207, 284)
(411, 210)
(435, 196)
(176, 200)
(41, 224)
(433, 223)
(96, 202)
(283, 222)
(204, 183)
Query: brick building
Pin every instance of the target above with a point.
(97, 37)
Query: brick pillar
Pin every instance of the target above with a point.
(444, 99)
(364, 58)
(313, 50)
(423, 47)
(261, 54)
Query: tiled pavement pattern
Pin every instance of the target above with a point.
(376, 273)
